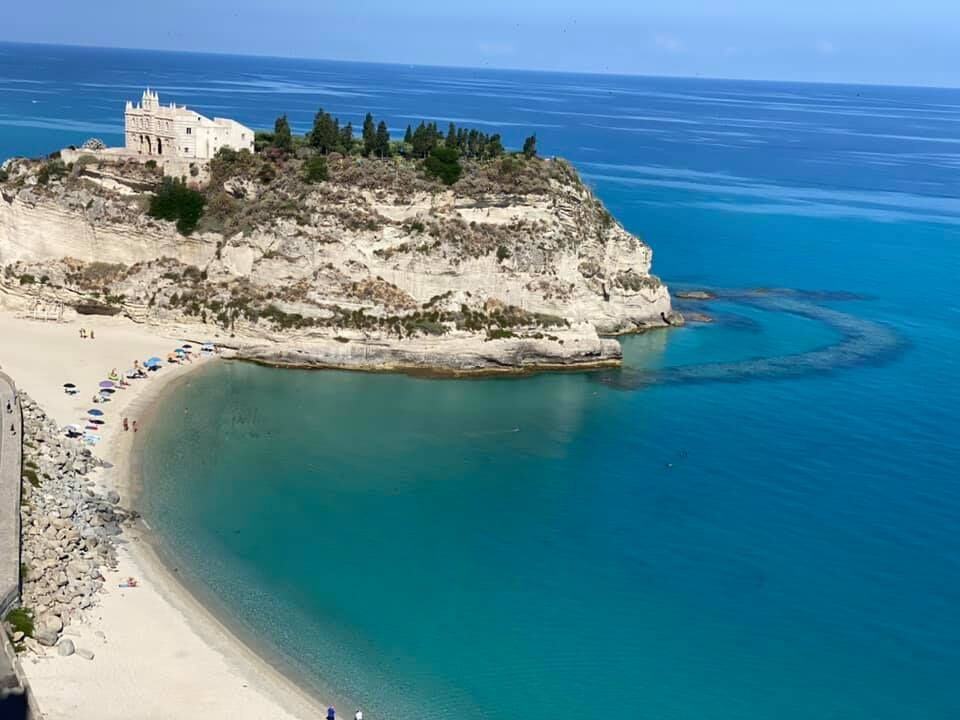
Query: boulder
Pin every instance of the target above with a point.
(65, 647)
(85, 654)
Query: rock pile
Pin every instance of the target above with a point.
(68, 529)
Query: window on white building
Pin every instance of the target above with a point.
(189, 131)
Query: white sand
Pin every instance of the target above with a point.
(158, 653)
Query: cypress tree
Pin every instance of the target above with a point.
(530, 146)
(408, 135)
(346, 138)
(282, 138)
(452, 136)
(369, 135)
(383, 140)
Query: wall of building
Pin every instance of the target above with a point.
(175, 131)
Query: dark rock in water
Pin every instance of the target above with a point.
(697, 317)
(694, 295)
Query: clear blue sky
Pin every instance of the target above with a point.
(878, 41)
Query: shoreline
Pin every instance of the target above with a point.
(159, 651)
(157, 560)
(185, 589)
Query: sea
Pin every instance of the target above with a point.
(754, 518)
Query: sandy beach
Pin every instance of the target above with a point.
(158, 652)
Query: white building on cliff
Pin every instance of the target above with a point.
(175, 132)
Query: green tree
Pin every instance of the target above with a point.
(369, 135)
(346, 138)
(325, 135)
(315, 169)
(452, 136)
(175, 201)
(443, 163)
(408, 136)
(282, 137)
(494, 147)
(530, 146)
(382, 143)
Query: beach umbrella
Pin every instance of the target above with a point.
(107, 391)
(96, 421)
(69, 385)
(188, 346)
(180, 351)
(95, 412)
(72, 427)
(106, 383)
(153, 362)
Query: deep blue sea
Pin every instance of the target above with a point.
(754, 519)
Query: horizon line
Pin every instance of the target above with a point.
(489, 68)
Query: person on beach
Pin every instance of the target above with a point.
(91, 333)
(13, 429)
(358, 715)
(9, 407)
(331, 713)
(126, 425)
(83, 334)
(134, 425)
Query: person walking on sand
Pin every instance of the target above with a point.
(134, 425)
(126, 425)
(9, 407)
(83, 335)
(91, 333)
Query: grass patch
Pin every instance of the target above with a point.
(30, 475)
(21, 620)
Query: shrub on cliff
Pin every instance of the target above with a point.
(51, 170)
(176, 202)
(443, 163)
(315, 169)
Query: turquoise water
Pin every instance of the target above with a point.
(753, 519)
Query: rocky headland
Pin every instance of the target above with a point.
(371, 264)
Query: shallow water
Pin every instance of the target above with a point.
(753, 519)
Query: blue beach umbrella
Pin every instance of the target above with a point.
(153, 361)
(95, 412)
(106, 383)
(180, 351)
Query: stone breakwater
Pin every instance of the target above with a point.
(69, 531)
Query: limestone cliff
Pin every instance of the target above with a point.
(518, 255)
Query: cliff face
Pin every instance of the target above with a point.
(510, 251)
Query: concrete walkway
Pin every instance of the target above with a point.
(11, 439)
(13, 697)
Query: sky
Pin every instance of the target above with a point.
(871, 41)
